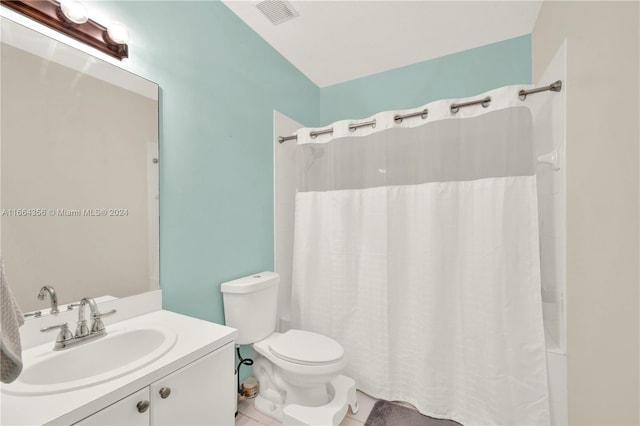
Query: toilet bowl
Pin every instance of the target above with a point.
(305, 358)
(296, 367)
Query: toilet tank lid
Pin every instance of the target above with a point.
(251, 283)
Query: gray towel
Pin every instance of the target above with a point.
(11, 319)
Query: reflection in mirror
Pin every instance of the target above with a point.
(79, 173)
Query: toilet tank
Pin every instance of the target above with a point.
(250, 305)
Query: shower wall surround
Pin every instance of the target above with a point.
(549, 129)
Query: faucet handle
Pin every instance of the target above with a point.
(104, 314)
(97, 325)
(63, 336)
(42, 293)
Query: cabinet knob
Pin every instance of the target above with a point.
(165, 392)
(143, 406)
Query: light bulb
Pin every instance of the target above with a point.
(74, 11)
(118, 33)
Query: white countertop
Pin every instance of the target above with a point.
(195, 339)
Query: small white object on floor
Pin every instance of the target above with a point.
(344, 395)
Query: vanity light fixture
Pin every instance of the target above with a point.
(118, 33)
(74, 12)
(70, 18)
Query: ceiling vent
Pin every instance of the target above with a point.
(277, 11)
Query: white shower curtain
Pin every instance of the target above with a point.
(416, 247)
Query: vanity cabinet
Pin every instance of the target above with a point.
(123, 412)
(200, 393)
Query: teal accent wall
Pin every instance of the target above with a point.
(220, 83)
(458, 75)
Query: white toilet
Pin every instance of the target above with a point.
(298, 371)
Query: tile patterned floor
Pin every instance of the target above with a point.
(249, 416)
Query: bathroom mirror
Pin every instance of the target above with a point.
(79, 173)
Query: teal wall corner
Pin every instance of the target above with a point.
(220, 83)
(458, 75)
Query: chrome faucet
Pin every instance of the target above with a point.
(82, 329)
(97, 326)
(83, 332)
(47, 289)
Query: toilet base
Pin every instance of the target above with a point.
(268, 408)
(343, 391)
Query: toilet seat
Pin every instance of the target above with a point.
(306, 348)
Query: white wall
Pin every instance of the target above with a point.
(549, 133)
(602, 202)
(284, 174)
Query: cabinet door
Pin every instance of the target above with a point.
(129, 411)
(201, 393)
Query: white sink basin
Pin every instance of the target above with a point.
(119, 352)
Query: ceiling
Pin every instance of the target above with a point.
(336, 41)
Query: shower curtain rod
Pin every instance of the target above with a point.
(553, 87)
